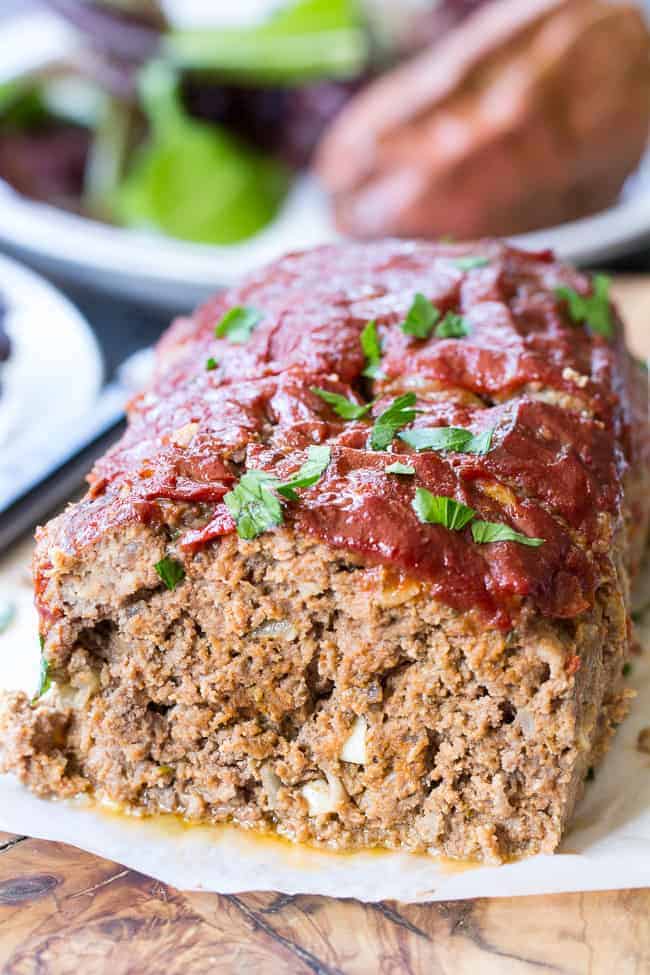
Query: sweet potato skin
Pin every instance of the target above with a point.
(528, 115)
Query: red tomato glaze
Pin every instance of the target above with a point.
(557, 397)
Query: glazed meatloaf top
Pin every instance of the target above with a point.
(523, 357)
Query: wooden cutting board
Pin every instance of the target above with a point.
(65, 912)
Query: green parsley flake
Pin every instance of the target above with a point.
(591, 774)
(399, 468)
(627, 669)
(45, 680)
(455, 439)
(420, 318)
(452, 326)
(311, 471)
(595, 310)
(371, 347)
(490, 531)
(253, 503)
(170, 571)
(399, 413)
(470, 262)
(237, 325)
(341, 405)
(253, 506)
(7, 615)
(210, 364)
(435, 509)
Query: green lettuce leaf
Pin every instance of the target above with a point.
(305, 40)
(193, 180)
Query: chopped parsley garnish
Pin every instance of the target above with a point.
(7, 614)
(470, 262)
(595, 310)
(343, 406)
(311, 471)
(210, 364)
(591, 775)
(490, 531)
(45, 680)
(399, 413)
(170, 571)
(423, 318)
(452, 326)
(399, 468)
(237, 325)
(420, 318)
(253, 503)
(371, 347)
(627, 669)
(435, 509)
(455, 439)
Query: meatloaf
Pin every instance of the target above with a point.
(528, 114)
(358, 570)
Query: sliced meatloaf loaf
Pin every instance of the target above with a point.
(358, 570)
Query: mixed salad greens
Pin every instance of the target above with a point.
(195, 133)
(192, 179)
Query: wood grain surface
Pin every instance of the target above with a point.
(66, 912)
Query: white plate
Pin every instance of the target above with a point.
(175, 274)
(53, 376)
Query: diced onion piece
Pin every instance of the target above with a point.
(317, 794)
(324, 797)
(271, 783)
(76, 697)
(354, 747)
(338, 795)
(282, 629)
(526, 721)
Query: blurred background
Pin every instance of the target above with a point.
(153, 151)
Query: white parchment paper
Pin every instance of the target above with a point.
(607, 847)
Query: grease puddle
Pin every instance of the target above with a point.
(248, 841)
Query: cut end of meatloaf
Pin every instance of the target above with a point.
(286, 686)
(352, 675)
